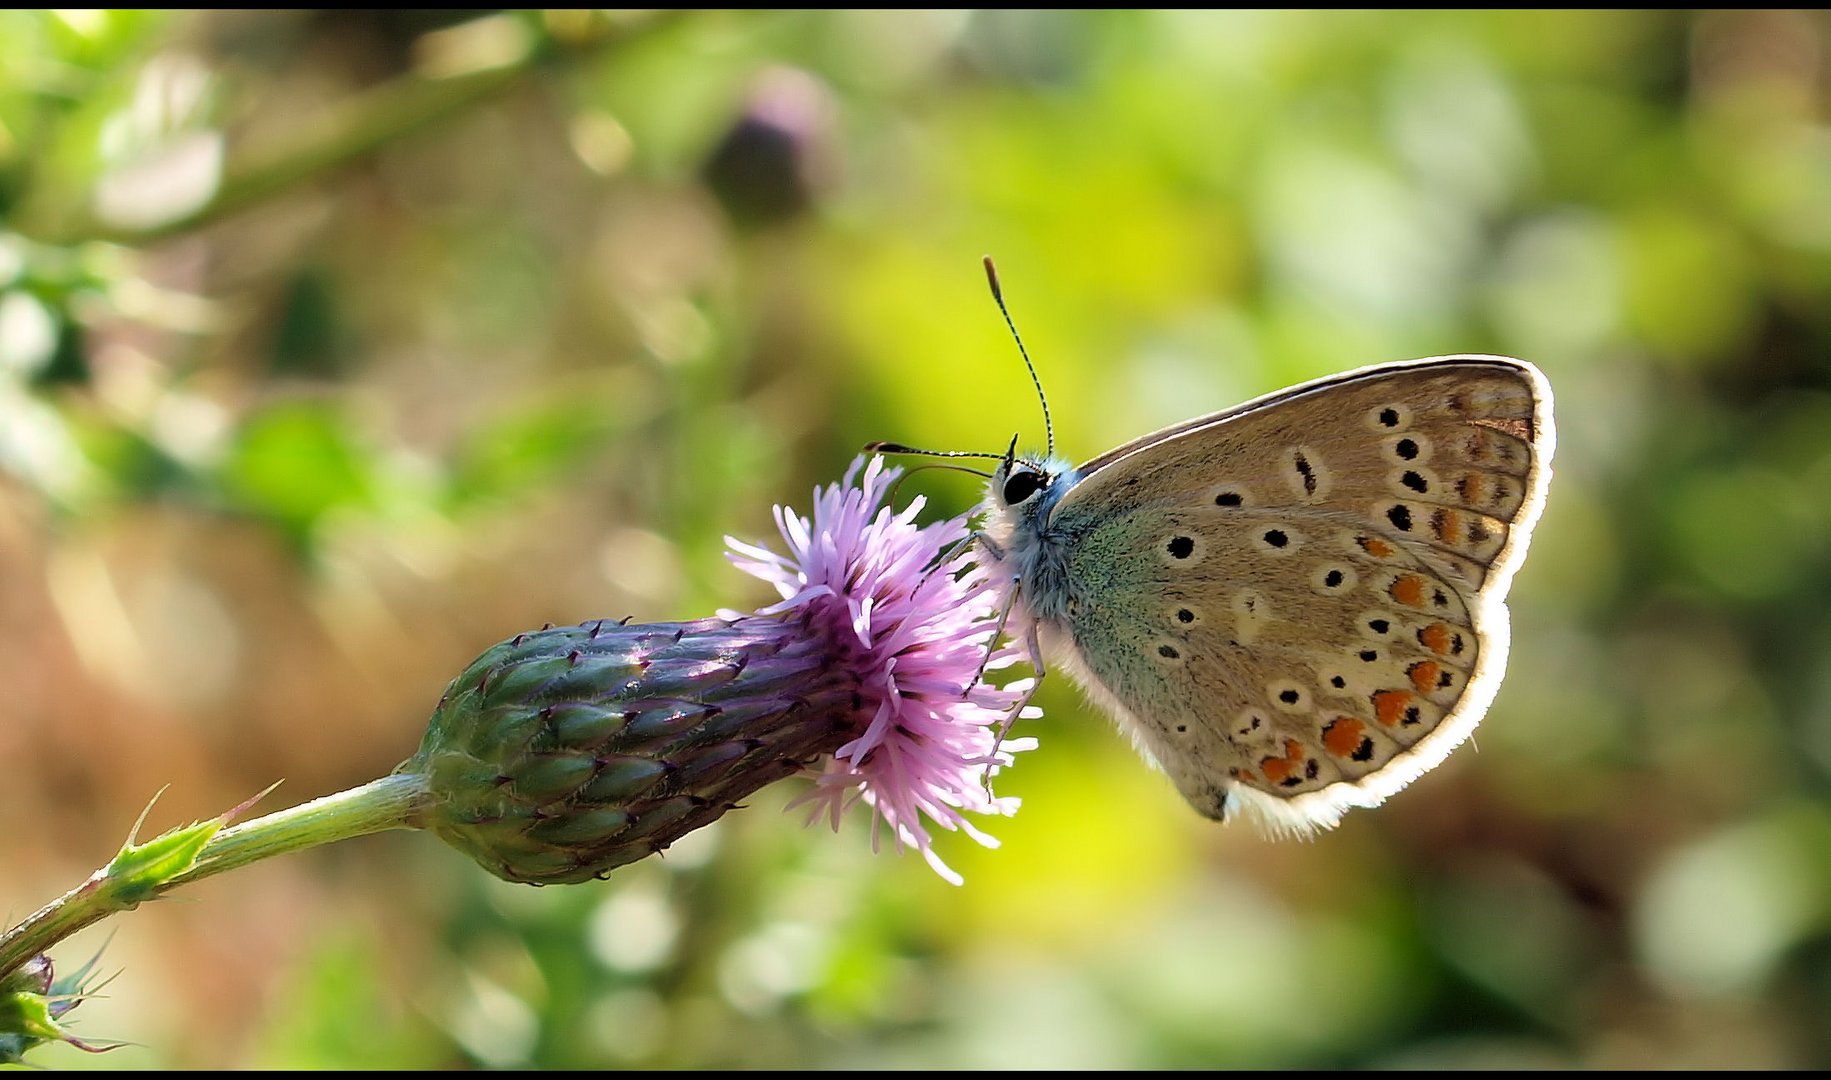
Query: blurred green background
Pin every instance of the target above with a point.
(336, 347)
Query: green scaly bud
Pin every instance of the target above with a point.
(561, 754)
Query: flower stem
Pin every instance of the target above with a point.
(379, 805)
(391, 802)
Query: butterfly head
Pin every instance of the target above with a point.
(1022, 491)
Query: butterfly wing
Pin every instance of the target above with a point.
(1297, 605)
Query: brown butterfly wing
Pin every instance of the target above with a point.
(1297, 606)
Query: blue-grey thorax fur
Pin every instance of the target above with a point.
(1026, 545)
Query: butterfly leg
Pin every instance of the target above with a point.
(997, 554)
(998, 631)
(1017, 710)
(1034, 649)
(1036, 665)
(991, 647)
(953, 550)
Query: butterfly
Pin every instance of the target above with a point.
(1295, 606)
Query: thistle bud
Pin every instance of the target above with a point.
(35, 976)
(564, 753)
(778, 157)
(561, 754)
(33, 1002)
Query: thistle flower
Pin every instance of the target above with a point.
(561, 754)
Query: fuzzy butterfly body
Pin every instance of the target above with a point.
(1295, 606)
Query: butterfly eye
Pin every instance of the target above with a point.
(1021, 486)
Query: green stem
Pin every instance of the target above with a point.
(379, 805)
(389, 803)
(345, 132)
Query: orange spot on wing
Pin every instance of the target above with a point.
(1376, 547)
(1447, 523)
(1408, 589)
(1470, 488)
(1389, 706)
(1436, 637)
(1424, 675)
(1343, 737)
(1277, 770)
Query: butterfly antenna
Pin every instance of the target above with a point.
(991, 276)
(899, 448)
